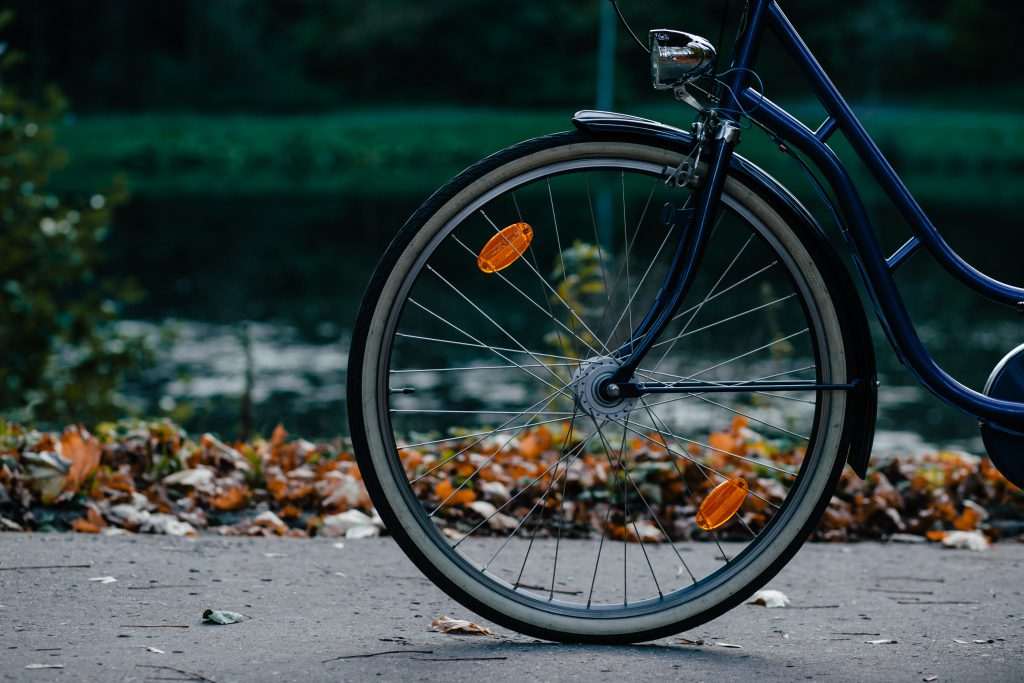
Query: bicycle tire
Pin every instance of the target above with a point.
(560, 159)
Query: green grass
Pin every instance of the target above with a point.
(384, 151)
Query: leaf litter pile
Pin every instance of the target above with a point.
(152, 477)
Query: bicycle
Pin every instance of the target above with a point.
(656, 343)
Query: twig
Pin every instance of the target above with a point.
(48, 566)
(46, 649)
(377, 654)
(455, 659)
(196, 676)
(935, 602)
(152, 625)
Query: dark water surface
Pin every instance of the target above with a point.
(287, 273)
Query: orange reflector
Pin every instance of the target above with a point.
(721, 504)
(503, 249)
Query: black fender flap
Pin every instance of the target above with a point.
(859, 426)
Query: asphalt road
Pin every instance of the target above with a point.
(311, 601)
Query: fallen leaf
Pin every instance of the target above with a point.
(881, 641)
(82, 450)
(46, 473)
(351, 524)
(907, 538)
(104, 579)
(84, 526)
(169, 525)
(444, 624)
(732, 645)
(770, 598)
(968, 540)
(223, 617)
(44, 666)
(233, 498)
(687, 641)
(156, 650)
(976, 641)
(453, 495)
(200, 478)
(929, 679)
(270, 521)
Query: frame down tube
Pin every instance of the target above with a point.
(876, 272)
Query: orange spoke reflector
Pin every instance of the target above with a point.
(721, 504)
(502, 250)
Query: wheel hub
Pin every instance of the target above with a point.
(587, 383)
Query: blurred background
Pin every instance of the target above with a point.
(194, 192)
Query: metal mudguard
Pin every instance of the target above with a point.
(859, 426)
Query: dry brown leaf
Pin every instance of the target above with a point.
(461, 627)
(84, 526)
(232, 498)
(770, 598)
(687, 641)
(83, 450)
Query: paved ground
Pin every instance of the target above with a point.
(311, 601)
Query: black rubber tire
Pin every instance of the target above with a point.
(824, 467)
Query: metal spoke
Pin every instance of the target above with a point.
(490, 348)
(755, 419)
(548, 285)
(489, 318)
(757, 272)
(725, 320)
(708, 296)
(481, 345)
(488, 433)
(625, 510)
(597, 239)
(640, 284)
(656, 419)
(547, 312)
(482, 367)
(758, 393)
(544, 403)
(682, 454)
(569, 457)
(628, 247)
(689, 489)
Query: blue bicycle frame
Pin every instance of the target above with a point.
(875, 269)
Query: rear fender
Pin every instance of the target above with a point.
(859, 425)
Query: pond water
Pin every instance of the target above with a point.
(269, 285)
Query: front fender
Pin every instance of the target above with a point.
(859, 425)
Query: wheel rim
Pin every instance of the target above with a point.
(640, 586)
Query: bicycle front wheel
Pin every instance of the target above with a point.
(496, 466)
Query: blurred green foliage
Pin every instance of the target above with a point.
(309, 55)
(60, 353)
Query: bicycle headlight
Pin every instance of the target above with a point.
(678, 58)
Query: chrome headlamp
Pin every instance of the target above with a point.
(678, 58)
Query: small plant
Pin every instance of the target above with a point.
(62, 355)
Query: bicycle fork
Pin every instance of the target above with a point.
(697, 224)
